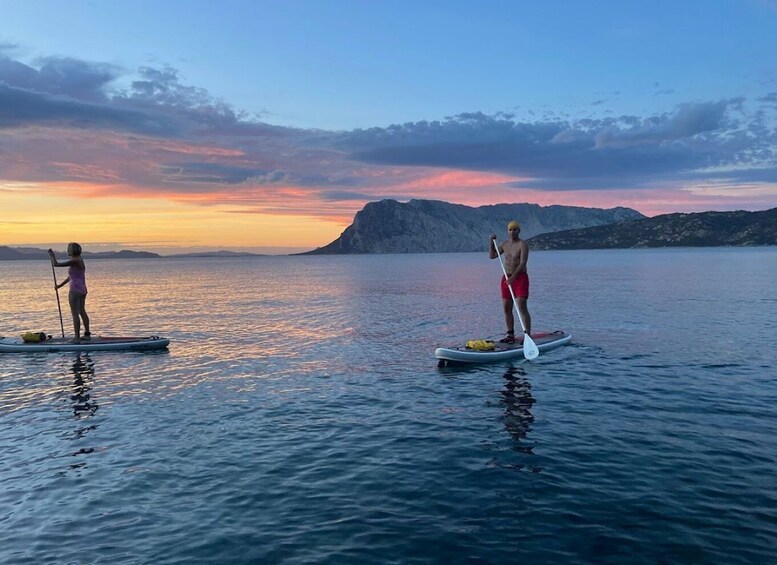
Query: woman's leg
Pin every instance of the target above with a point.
(84, 316)
(75, 310)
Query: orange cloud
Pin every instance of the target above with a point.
(456, 178)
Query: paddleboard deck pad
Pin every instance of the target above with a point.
(18, 345)
(502, 351)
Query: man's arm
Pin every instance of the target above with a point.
(492, 249)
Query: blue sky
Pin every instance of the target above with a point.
(357, 64)
(308, 110)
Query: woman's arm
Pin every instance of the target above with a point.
(63, 283)
(57, 263)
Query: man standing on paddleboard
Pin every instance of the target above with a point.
(515, 252)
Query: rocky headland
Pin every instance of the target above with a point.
(431, 226)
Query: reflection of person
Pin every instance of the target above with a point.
(83, 374)
(76, 276)
(515, 253)
(518, 402)
(81, 401)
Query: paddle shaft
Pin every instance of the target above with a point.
(527, 340)
(59, 305)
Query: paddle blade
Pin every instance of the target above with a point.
(530, 350)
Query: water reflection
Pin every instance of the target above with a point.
(518, 401)
(81, 401)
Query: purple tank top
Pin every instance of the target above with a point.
(77, 279)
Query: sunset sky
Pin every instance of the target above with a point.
(266, 125)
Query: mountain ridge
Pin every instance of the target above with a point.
(8, 253)
(697, 229)
(434, 226)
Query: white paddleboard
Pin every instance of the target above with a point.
(18, 345)
(501, 352)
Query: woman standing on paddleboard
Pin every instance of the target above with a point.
(76, 276)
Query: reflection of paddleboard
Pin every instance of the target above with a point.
(501, 351)
(17, 344)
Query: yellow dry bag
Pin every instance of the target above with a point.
(480, 344)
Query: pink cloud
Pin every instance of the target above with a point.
(170, 141)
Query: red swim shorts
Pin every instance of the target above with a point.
(520, 286)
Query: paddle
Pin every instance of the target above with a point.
(530, 350)
(59, 306)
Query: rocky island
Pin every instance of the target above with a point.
(431, 226)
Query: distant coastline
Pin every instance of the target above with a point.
(8, 253)
(701, 229)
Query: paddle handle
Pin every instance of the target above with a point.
(59, 305)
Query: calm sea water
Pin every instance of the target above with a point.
(299, 415)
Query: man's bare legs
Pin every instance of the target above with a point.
(507, 304)
(523, 310)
